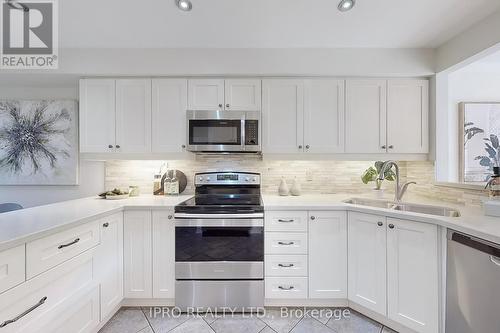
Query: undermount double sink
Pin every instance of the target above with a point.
(405, 207)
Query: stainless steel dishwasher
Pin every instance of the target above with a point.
(473, 285)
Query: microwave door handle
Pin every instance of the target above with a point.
(243, 138)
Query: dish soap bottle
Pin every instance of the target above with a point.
(167, 183)
(493, 183)
(157, 184)
(174, 183)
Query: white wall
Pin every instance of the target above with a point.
(91, 177)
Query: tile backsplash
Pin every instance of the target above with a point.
(314, 176)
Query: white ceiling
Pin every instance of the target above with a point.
(266, 23)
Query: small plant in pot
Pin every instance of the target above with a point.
(371, 175)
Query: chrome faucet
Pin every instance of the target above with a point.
(400, 189)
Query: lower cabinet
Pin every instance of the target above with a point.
(137, 254)
(163, 254)
(110, 263)
(393, 269)
(327, 254)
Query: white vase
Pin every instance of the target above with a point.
(296, 188)
(378, 193)
(283, 189)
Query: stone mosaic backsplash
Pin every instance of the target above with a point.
(325, 177)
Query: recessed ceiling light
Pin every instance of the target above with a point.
(346, 5)
(184, 5)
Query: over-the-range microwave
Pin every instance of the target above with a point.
(223, 131)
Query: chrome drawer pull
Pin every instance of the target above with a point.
(286, 221)
(286, 266)
(69, 244)
(495, 260)
(13, 320)
(289, 243)
(285, 288)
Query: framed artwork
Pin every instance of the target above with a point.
(38, 142)
(479, 140)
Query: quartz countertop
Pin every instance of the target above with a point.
(25, 225)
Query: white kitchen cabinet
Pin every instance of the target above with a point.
(137, 254)
(287, 220)
(206, 94)
(327, 254)
(110, 263)
(12, 267)
(324, 116)
(242, 94)
(169, 105)
(365, 118)
(163, 254)
(97, 115)
(282, 116)
(133, 115)
(286, 287)
(408, 116)
(367, 261)
(412, 275)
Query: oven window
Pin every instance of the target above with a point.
(219, 244)
(215, 132)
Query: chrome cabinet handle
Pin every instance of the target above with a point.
(69, 244)
(384, 147)
(170, 217)
(286, 221)
(391, 226)
(220, 105)
(105, 225)
(183, 146)
(110, 146)
(118, 146)
(313, 218)
(289, 243)
(300, 146)
(380, 224)
(391, 147)
(286, 266)
(495, 260)
(227, 105)
(307, 146)
(13, 320)
(286, 288)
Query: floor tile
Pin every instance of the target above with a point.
(163, 319)
(127, 320)
(238, 323)
(210, 317)
(193, 325)
(311, 325)
(323, 314)
(356, 323)
(146, 330)
(388, 330)
(267, 329)
(279, 323)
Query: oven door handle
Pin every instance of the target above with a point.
(219, 216)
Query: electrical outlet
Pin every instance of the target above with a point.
(309, 175)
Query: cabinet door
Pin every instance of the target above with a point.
(327, 254)
(367, 261)
(206, 94)
(408, 116)
(324, 116)
(110, 263)
(163, 254)
(137, 254)
(366, 116)
(282, 116)
(412, 275)
(243, 95)
(169, 115)
(97, 115)
(133, 115)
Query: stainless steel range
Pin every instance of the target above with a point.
(219, 243)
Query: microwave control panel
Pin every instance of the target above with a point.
(251, 132)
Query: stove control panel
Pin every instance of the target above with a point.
(227, 178)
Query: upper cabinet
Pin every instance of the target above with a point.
(169, 115)
(219, 94)
(408, 116)
(387, 116)
(365, 128)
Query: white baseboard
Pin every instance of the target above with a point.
(148, 302)
(306, 302)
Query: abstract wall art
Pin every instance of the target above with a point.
(38, 142)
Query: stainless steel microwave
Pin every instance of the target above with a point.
(224, 131)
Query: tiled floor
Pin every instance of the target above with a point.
(144, 320)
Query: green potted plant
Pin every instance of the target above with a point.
(371, 175)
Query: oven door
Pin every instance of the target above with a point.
(215, 131)
(219, 249)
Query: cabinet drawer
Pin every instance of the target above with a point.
(294, 221)
(12, 267)
(285, 243)
(50, 251)
(38, 301)
(286, 287)
(286, 265)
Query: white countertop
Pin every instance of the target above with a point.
(25, 225)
